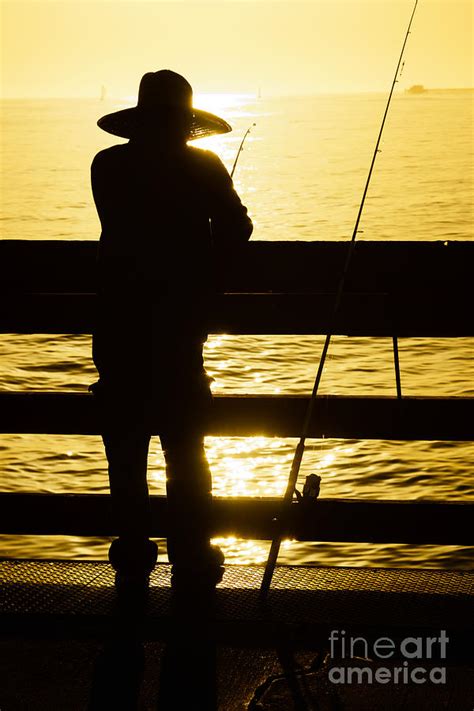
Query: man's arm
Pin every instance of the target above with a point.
(106, 200)
(230, 222)
(114, 265)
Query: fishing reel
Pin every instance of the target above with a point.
(311, 490)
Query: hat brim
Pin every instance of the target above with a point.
(128, 122)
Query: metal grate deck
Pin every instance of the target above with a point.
(72, 598)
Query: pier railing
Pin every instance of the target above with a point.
(404, 289)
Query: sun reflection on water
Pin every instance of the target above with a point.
(249, 466)
(238, 550)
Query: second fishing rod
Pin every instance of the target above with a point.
(299, 452)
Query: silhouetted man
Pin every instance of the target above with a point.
(163, 207)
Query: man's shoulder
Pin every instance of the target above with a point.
(110, 155)
(207, 163)
(203, 156)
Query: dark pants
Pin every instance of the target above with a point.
(188, 488)
(169, 384)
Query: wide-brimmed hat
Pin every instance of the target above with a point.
(160, 91)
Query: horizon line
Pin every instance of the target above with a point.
(250, 95)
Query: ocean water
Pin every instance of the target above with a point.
(301, 176)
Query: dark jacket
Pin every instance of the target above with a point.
(162, 214)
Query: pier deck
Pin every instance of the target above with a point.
(74, 599)
(56, 617)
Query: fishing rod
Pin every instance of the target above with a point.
(298, 456)
(240, 149)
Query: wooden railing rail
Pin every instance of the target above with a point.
(393, 288)
(335, 520)
(412, 418)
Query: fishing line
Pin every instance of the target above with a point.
(298, 456)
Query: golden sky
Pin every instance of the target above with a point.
(71, 47)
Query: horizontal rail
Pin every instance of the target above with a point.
(427, 314)
(412, 418)
(392, 288)
(336, 520)
(70, 266)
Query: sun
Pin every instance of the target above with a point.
(220, 103)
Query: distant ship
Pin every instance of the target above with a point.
(416, 89)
